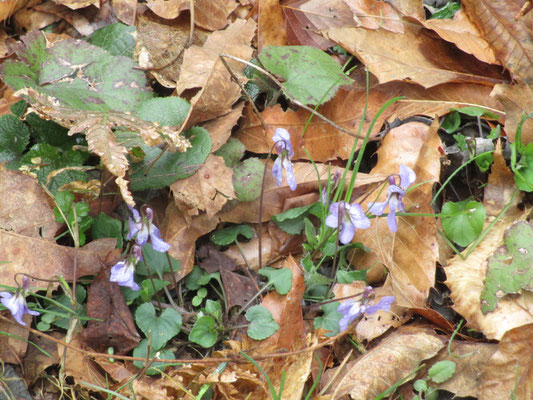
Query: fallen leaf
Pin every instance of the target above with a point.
(510, 369)
(202, 69)
(208, 189)
(270, 25)
(25, 208)
(516, 99)
(465, 279)
(36, 361)
(182, 236)
(220, 128)
(410, 254)
(510, 38)
(412, 56)
(10, 7)
(464, 34)
(500, 186)
(213, 14)
(392, 360)
(80, 366)
(116, 329)
(125, 10)
(75, 4)
(168, 9)
(372, 14)
(45, 259)
(13, 341)
(287, 311)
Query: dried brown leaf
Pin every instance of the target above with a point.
(410, 254)
(13, 341)
(8, 8)
(125, 10)
(220, 129)
(510, 370)
(510, 38)
(208, 189)
(500, 187)
(465, 279)
(213, 14)
(35, 361)
(270, 25)
(464, 34)
(412, 56)
(168, 9)
(45, 259)
(392, 360)
(75, 4)
(24, 206)
(516, 99)
(373, 14)
(202, 69)
(80, 366)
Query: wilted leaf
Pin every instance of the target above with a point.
(202, 69)
(510, 37)
(116, 328)
(465, 280)
(24, 206)
(392, 360)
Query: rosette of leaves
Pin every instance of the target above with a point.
(87, 89)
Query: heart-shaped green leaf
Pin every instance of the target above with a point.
(281, 278)
(203, 332)
(163, 328)
(262, 324)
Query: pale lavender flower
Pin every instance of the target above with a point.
(353, 309)
(347, 217)
(395, 197)
(143, 228)
(16, 303)
(282, 144)
(123, 271)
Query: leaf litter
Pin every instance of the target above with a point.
(158, 111)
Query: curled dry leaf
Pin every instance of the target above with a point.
(207, 190)
(465, 279)
(392, 360)
(24, 206)
(511, 38)
(410, 254)
(412, 56)
(510, 369)
(45, 259)
(464, 34)
(202, 69)
(516, 99)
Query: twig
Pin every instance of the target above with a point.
(291, 96)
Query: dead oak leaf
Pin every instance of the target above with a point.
(208, 189)
(202, 69)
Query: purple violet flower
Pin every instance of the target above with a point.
(347, 217)
(123, 271)
(143, 227)
(353, 309)
(282, 144)
(335, 178)
(395, 197)
(16, 303)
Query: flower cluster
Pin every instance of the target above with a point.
(395, 197)
(353, 309)
(16, 303)
(282, 144)
(142, 228)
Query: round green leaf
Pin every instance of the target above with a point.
(247, 179)
(262, 324)
(203, 332)
(463, 221)
(281, 278)
(231, 152)
(226, 236)
(163, 328)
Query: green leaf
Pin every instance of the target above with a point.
(291, 226)
(281, 278)
(167, 111)
(118, 39)
(474, 111)
(463, 221)
(311, 75)
(461, 141)
(442, 371)
(50, 132)
(247, 179)
(214, 308)
(107, 227)
(191, 280)
(226, 236)
(65, 201)
(62, 322)
(171, 166)
(451, 122)
(14, 137)
(495, 132)
(262, 324)
(77, 74)
(156, 261)
(19, 108)
(447, 11)
(524, 171)
(203, 332)
(156, 367)
(163, 328)
(147, 289)
(485, 162)
(231, 151)
(420, 385)
(330, 320)
(292, 220)
(292, 213)
(351, 276)
(510, 268)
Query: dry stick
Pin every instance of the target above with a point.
(191, 31)
(292, 97)
(258, 114)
